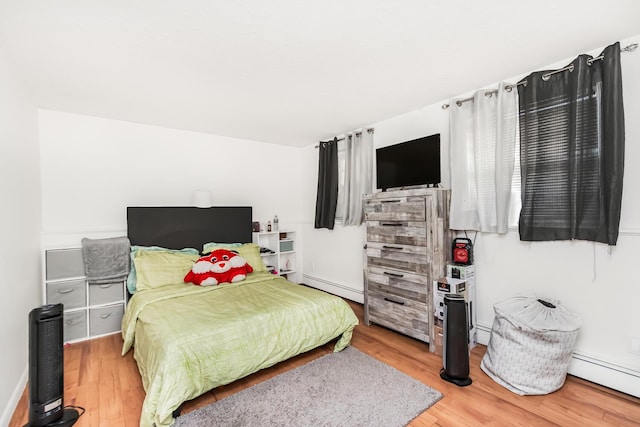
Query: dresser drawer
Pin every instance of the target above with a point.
(401, 314)
(400, 257)
(398, 283)
(64, 264)
(407, 208)
(75, 325)
(105, 320)
(72, 294)
(397, 232)
(105, 293)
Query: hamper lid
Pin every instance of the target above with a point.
(540, 314)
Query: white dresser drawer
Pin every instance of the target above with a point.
(397, 282)
(400, 257)
(75, 325)
(407, 316)
(105, 320)
(398, 232)
(64, 264)
(404, 208)
(100, 294)
(72, 294)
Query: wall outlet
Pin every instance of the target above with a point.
(635, 345)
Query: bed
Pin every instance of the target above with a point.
(189, 339)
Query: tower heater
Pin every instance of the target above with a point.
(46, 365)
(455, 355)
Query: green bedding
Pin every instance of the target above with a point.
(189, 339)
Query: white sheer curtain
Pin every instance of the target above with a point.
(483, 135)
(358, 153)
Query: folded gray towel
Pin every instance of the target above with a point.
(106, 260)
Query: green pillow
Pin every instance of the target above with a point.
(132, 278)
(155, 269)
(249, 251)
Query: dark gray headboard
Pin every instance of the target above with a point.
(188, 227)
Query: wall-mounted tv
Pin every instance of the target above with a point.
(415, 162)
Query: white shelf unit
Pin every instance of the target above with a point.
(282, 245)
(90, 310)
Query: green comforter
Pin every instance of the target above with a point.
(189, 339)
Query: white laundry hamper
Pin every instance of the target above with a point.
(531, 344)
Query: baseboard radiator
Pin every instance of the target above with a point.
(340, 289)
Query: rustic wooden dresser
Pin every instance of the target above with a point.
(408, 245)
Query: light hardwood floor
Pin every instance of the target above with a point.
(108, 386)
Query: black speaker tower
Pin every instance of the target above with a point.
(455, 355)
(46, 368)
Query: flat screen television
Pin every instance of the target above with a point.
(411, 163)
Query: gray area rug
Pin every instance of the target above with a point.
(348, 388)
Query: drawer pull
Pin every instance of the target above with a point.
(390, 201)
(397, 248)
(107, 286)
(65, 291)
(391, 224)
(394, 301)
(105, 316)
(393, 274)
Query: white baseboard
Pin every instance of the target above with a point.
(591, 369)
(12, 404)
(339, 289)
(604, 373)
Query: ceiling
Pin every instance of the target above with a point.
(288, 71)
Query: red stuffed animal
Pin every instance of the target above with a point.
(219, 266)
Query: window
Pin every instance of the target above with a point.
(515, 202)
(572, 151)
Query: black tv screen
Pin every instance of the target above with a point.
(415, 162)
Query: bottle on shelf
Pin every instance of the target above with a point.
(275, 223)
(268, 225)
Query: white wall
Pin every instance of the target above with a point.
(93, 168)
(593, 280)
(20, 231)
(334, 259)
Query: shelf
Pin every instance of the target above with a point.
(64, 282)
(66, 279)
(282, 242)
(274, 233)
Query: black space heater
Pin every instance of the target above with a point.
(455, 356)
(46, 366)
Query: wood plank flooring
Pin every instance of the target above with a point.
(108, 386)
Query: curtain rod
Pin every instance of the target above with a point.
(545, 77)
(370, 130)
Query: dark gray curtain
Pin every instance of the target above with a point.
(572, 151)
(327, 196)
